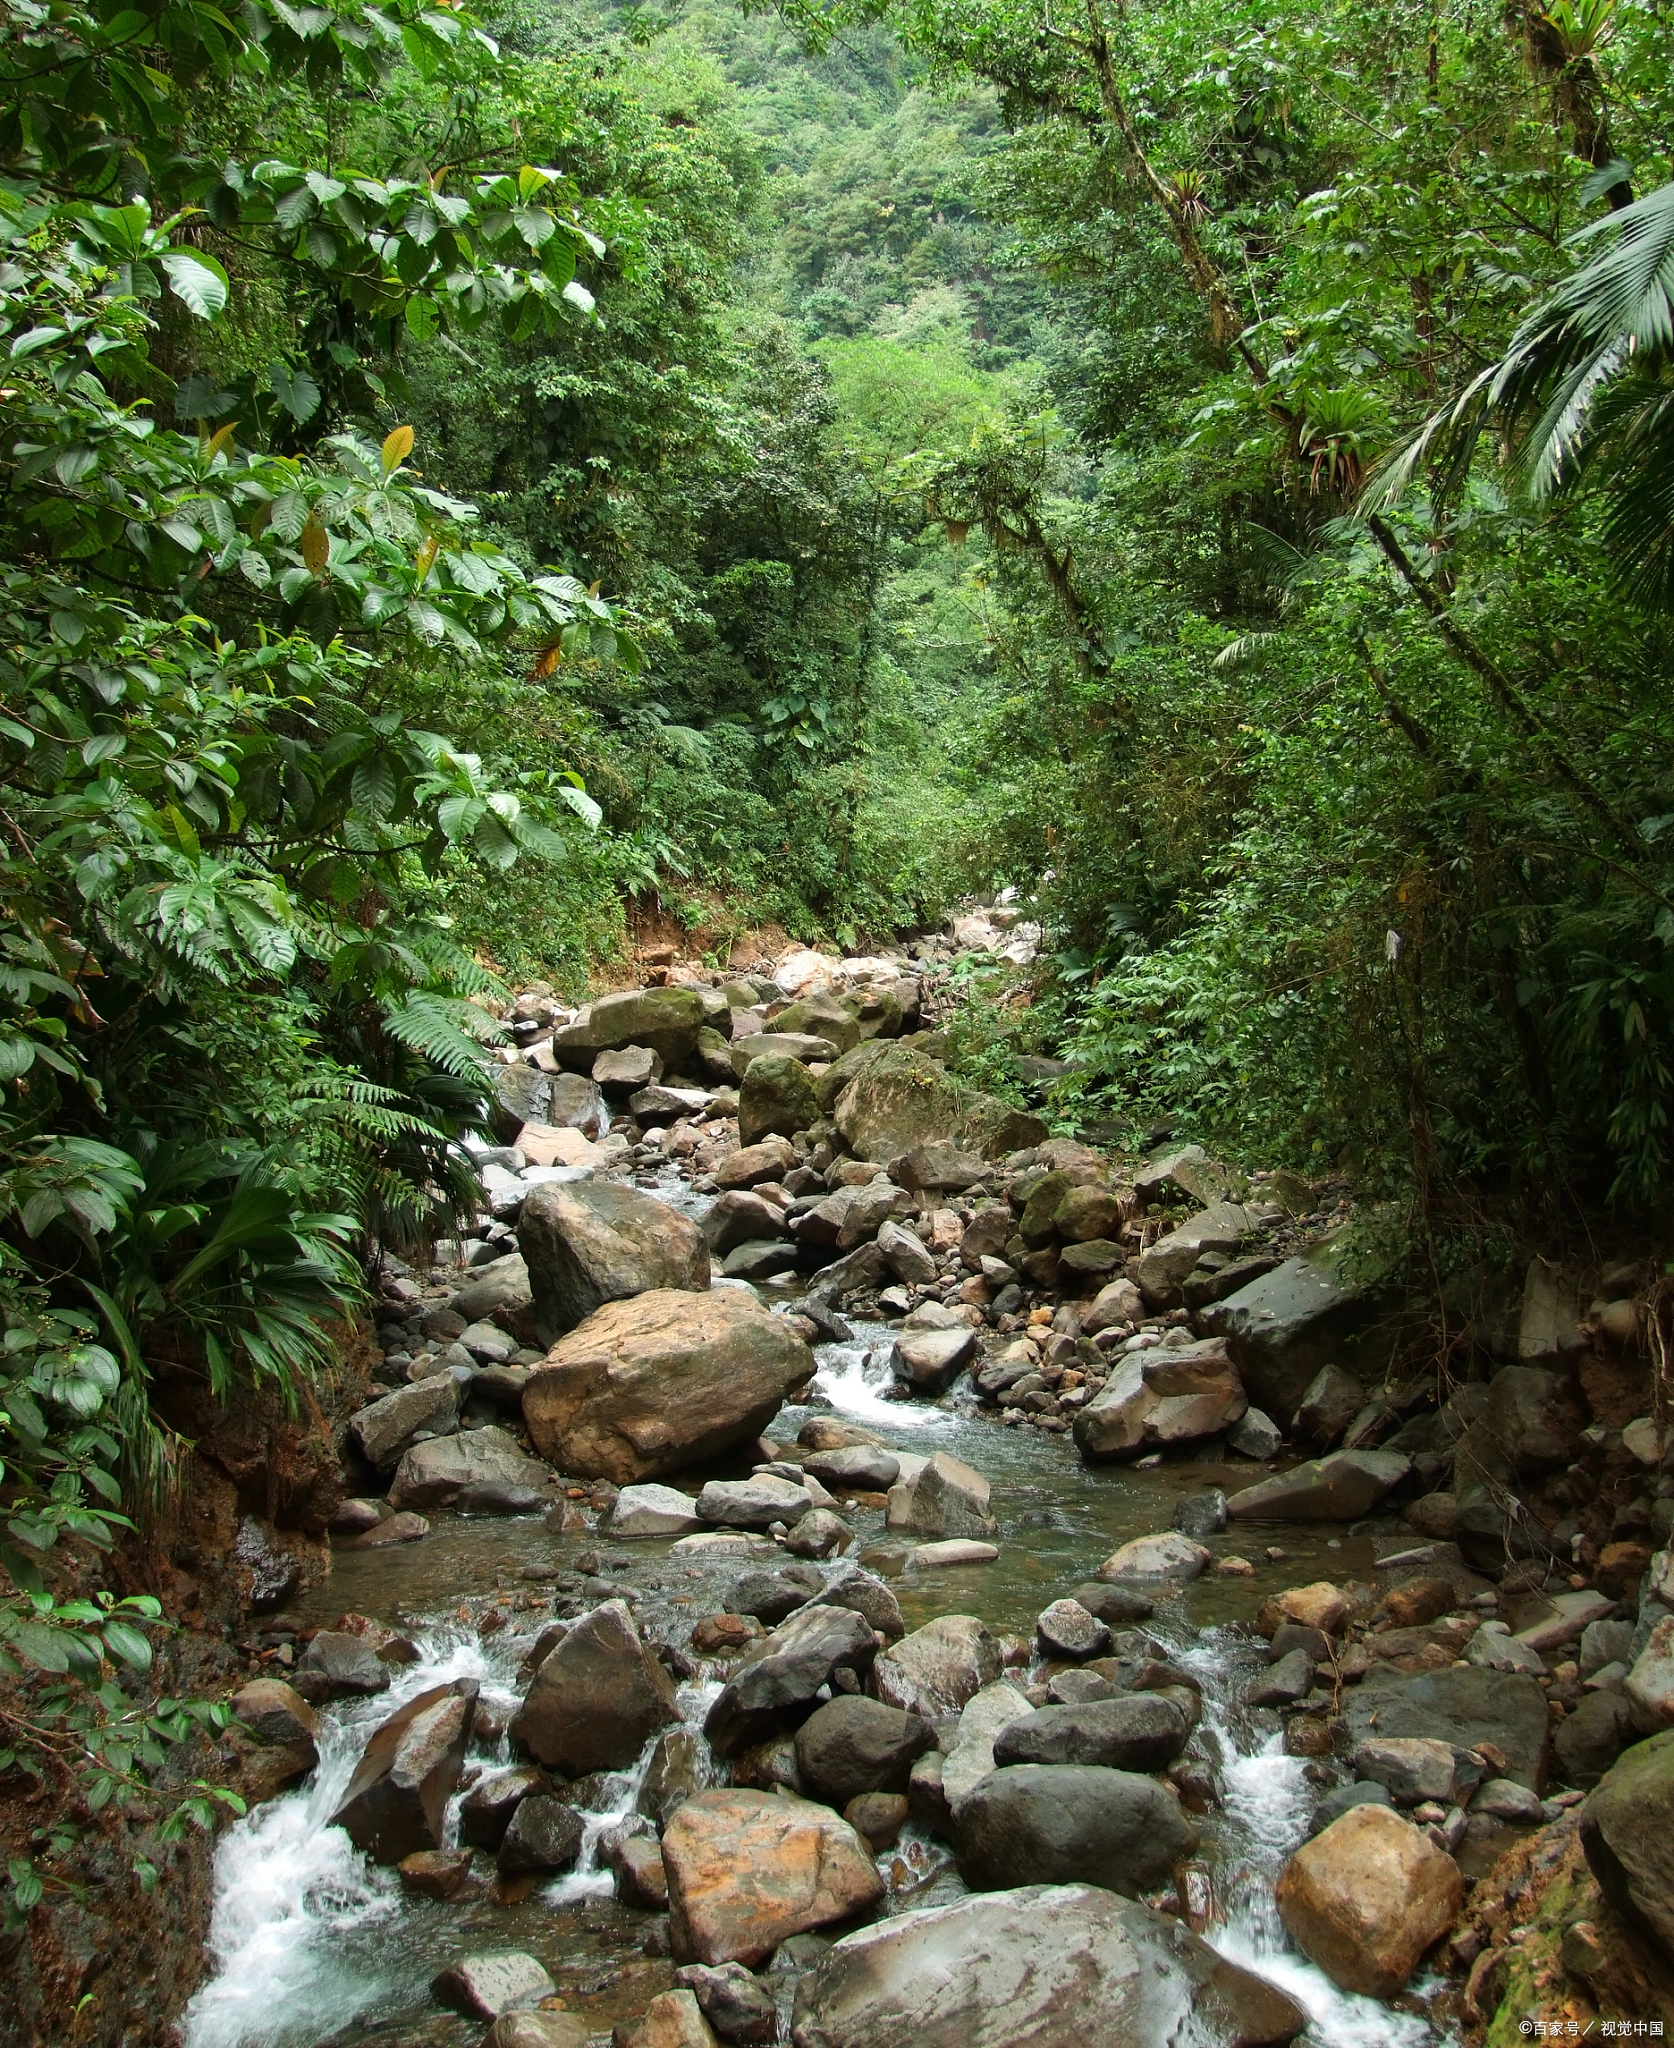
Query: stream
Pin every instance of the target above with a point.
(314, 1946)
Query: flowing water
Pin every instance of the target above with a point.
(312, 1944)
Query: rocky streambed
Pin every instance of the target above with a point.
(835, 1564)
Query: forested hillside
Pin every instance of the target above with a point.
(475, 478)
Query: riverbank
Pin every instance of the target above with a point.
(1037, 1354)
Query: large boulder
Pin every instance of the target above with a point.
(479, 1471)
(777, 1097)
(1168, 1557)
(1367, 1897)
(589, 1243)
(739, 1217)
(801, 1047)
(777, 1684)
(383, 1429)
(747, 1870)
(1055, 1966)
(897, 1100)
(829, 1086)
(944, 1498)
(1530, 1424)
(650, 1511)
(1627, 1832)
(853, 1745)
(666, 1019)
(597, 1698)
(1308, 1312)
(1160, 1397)
(929, 1357)
(647, 1386)
(503, 1290)
(1340, 1488)
(994, 1130)
(1070, 1824)
(937, 1668)
(1162, 1266)
(1142, 1731)
(1463, 1705)
(851, 1215)
(396, 1801)
(831, 1017)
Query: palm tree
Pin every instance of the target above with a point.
(1583, 395)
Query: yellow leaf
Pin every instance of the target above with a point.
(427, 555)
(220, 443)
(397, 447)
(592, 590)
(436, 180)
(315, 545)
(546, 661)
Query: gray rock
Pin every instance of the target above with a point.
(665, 1019)
(819, 1533)
(1590, 1738)
(1504, 1799)
(1301, 1316)
(930, 1358)
(776, 1684)
(758, 1259)
(1414, 1767)
(1605, 1642)
(1332, 1400)
(910, 1259)
(338, 1666)
(946, 1498)
(865, 1595)
(650, 1510)
(536, 2030)
(486, 1810)
(861, 1468)
(503, 1288)
(384, 1428)
(1284, 1683)
(777, 1097)
(577, 1105)
(738, 2007)
(1067, 1629)
(1461, 1705)
(738, 1218)
(439, 1473)
(1069, 1824)
(1201, 1514)
(1495, 1648)
(1340, 1488)
(486, 1986)
(800, 1046)
(1119, 1605)
(543, 1833)
(1627, 1832)
(1137, 1732)
(596, 1699)
(1055, 1966)
(938, 1667)
(754, 1503)
(1363, 1792)
(1160, 1397)
(1255, 1435)
(853, 1745)
(628, 1070)
(590, 1243)
(770, 1596)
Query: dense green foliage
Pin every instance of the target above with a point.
(1207, 467)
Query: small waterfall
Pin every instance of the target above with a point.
(854, 1378)
(1266, 1804)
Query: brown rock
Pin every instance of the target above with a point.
(276, 1712)
(396, 1802)
(673, 2019)
(748, 1869)
(640, 1877)
(434, 1873)
(597, 1699)
(667, 1380)
(1367, 1897)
